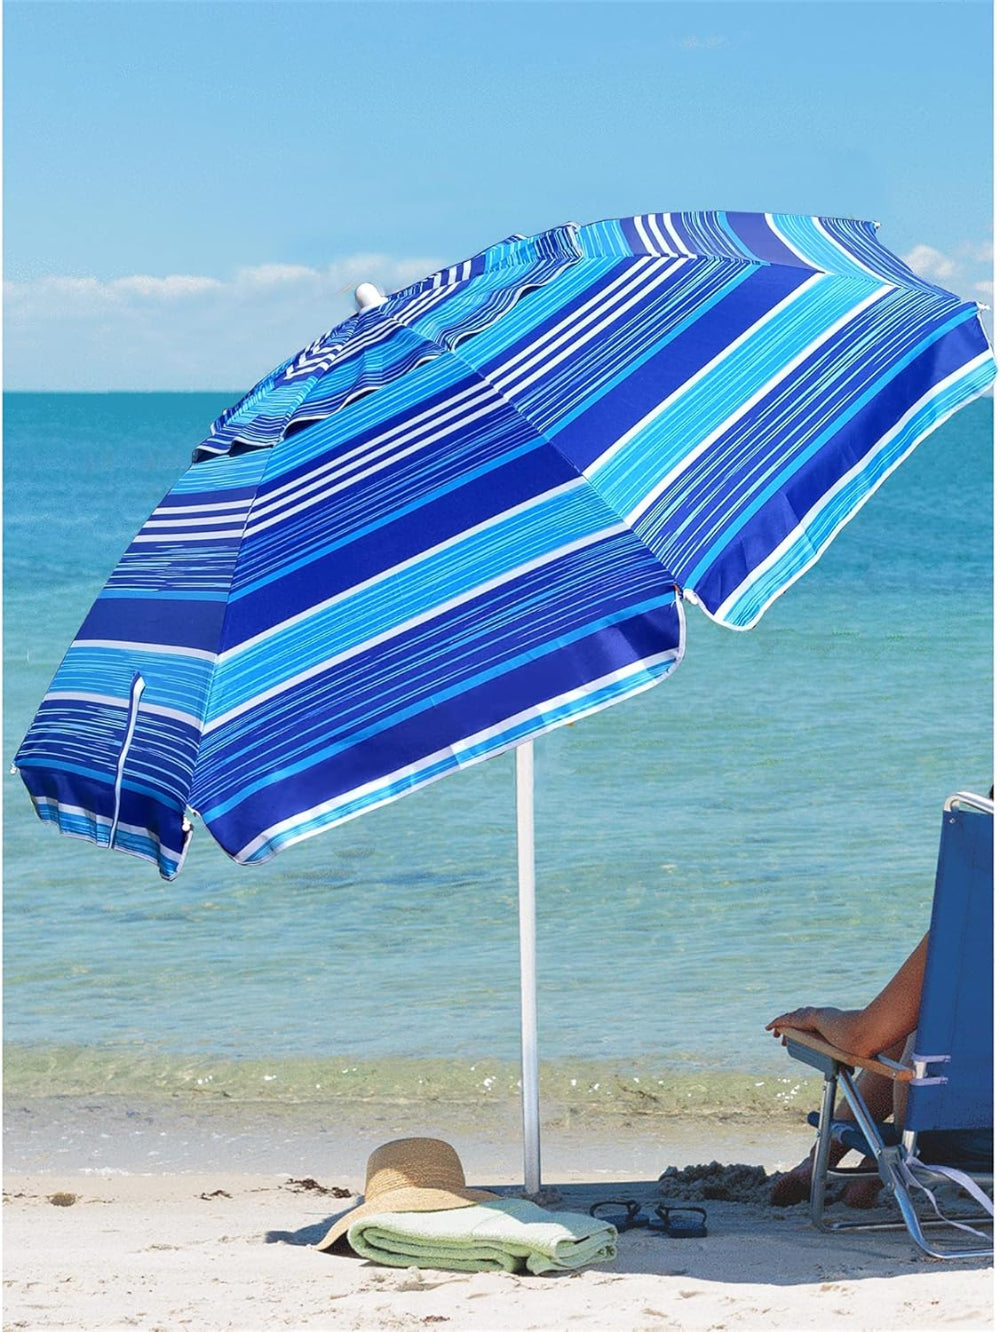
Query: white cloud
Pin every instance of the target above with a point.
(271, 275)
(190, 331)
(695, 43)
(181, 331)
(930, 263)
(166, 289)
(981, 253)
(967, 271)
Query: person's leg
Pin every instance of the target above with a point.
(877, 1094)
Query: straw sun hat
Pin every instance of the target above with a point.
(410, 1175)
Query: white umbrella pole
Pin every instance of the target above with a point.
(529, 1009)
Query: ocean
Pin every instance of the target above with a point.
(757, 832)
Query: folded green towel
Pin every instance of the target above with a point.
(504, 1236)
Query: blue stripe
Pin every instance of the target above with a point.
(406, 594)
(505, 668)
(727, 227)
(761, 240)
(49, 764)
(660, 635)
(849, 499)
(643, 677)
(235, 477)
(377, 546)
(855, 407)
(169, 620)
(370, 528)
(584, 432)
(629, 475)
(522, 616)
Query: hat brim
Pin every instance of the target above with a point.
(405, 1200)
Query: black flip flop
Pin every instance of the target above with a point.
(680, 1222)
(627, 1216)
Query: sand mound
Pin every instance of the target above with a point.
(726, 1183)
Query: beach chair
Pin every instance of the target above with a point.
(950, 1080)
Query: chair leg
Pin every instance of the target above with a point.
(891, 1177)
(821, 1154)
(890, 1168)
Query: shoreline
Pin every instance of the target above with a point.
(651, 1088)
(118, 1133)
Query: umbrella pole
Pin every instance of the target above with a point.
(525, 766)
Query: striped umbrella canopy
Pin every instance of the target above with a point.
(470, 513)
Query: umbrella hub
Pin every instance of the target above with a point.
(367, 296)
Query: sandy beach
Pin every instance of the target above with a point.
(96, 1237)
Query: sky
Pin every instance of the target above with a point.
(192, 190)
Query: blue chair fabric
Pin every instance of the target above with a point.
(956, 1008)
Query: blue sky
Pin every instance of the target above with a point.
(191, 190)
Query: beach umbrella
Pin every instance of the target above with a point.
(472, 512)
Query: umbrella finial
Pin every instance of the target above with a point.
(368, 296)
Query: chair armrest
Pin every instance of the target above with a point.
(888, 1069)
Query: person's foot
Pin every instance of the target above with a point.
(863, 1193)
(792, 1187)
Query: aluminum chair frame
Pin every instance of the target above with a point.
(838, 1069)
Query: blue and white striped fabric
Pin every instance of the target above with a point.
(463, 517)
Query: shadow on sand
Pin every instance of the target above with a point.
(748, 1240)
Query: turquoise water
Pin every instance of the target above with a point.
(759, 831)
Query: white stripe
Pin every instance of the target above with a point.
(545, 359)
(362, 454)
(431, 552)
(182, 534)
(234, 507)
(112, 700)
(640, 227)
(122, 645)
(418, 306)
(748, 404)
(674, 235)
(482, 737)
(318, 496)
(667, 240)
(799, 530)
(636, 280)
(183, 524)
(434, 612)
(77, 811)
(662, 243)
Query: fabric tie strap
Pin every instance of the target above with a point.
(138, 685)
(911, 1165)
